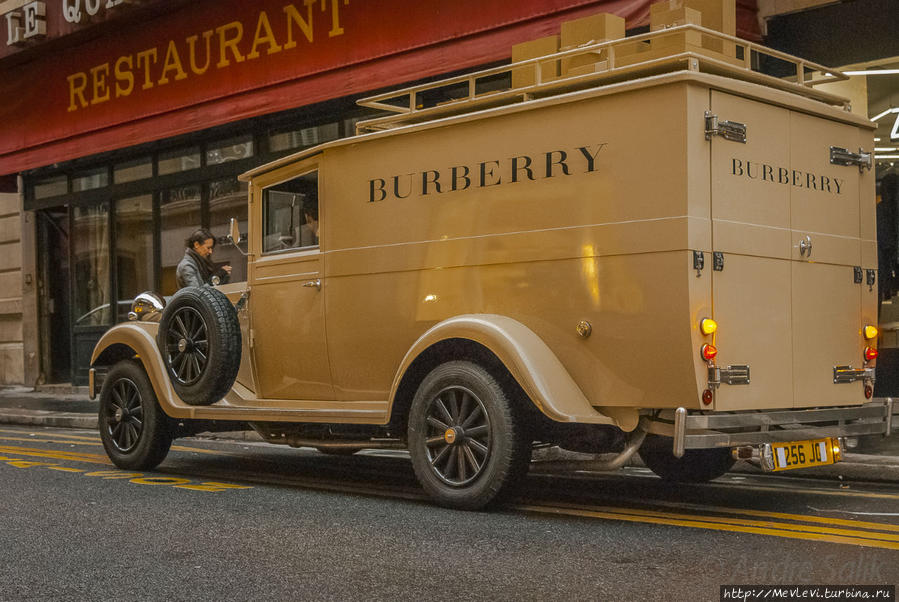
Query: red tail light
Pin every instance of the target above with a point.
(870, 354)
(708, 352)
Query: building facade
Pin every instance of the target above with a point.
(126, 123)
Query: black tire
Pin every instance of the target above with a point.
(199, 338)
(469, 443)
(135, 431)
(695, 466)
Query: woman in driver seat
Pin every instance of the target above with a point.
(196, 267)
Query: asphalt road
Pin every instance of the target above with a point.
(225, 520)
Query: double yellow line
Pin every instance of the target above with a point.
(794, 526)
(718, 518)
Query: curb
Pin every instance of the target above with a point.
(47, 418)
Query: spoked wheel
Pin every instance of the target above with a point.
(187, 345)
(124, 415)
(468, 442)
(199, 339)
(458, 440)
(135, 432)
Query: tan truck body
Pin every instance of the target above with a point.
(561, 233)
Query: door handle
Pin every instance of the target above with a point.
(805, 246)
(313, 284)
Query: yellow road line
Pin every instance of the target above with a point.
(58, 455)
(76, 440)
(702, 522)
(767, 514)
(848, 492)
(752, 523)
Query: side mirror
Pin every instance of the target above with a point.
(234, 232)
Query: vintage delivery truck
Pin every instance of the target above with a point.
(627, 245)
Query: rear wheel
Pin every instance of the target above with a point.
(695, 466)
(468, 442)
(134, 430)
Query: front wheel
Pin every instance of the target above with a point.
(468, 441)
(134, 430)
(695, 466)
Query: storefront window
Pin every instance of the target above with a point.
(130, 171)
(229, 150)
(134, 250)
(50, 187)
(91, 265)
(179, 160)
(282, 141)
(89, 180)
(180, 215)
(227, 199)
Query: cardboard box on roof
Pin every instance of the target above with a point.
(534, 49)
(720, 15)
(602, 27)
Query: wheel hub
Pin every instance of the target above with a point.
(182, 345)
(119, 415)
(453, 435)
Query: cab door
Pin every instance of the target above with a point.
(287, 290)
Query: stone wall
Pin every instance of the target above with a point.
(12, 368)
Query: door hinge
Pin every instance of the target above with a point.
(844, 156)
(729, 130)
(732, 375)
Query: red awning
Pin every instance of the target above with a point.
(197, 67)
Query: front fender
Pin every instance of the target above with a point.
(529, 360)
(141, 337)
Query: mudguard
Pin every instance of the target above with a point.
(531, 363)
(141, 338)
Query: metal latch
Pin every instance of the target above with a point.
(732, 375)
(844, 156)
(729, 130)
(848, 374)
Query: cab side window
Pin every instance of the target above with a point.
(290, 214)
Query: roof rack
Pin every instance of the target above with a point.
(689, 47)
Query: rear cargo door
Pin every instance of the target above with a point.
(786, 223)
(751, 230)
(824, 229)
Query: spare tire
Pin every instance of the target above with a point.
(199, 338)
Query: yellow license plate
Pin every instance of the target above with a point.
(802, 454)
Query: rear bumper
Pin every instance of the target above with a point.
(732, 429)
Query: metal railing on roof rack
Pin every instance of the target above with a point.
(616, 60)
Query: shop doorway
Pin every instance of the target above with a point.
(54, 295)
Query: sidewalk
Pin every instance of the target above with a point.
(874, 458)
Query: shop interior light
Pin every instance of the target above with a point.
(708, 326)
(708, 352)
(870, 354)
(870, 332)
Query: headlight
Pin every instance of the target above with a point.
(145, 305)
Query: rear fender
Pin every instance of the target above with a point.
(528, 359)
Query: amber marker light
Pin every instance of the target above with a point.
(870, 332)
(708, 352)
(836, 448)
(870, 354)
(708, 326)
